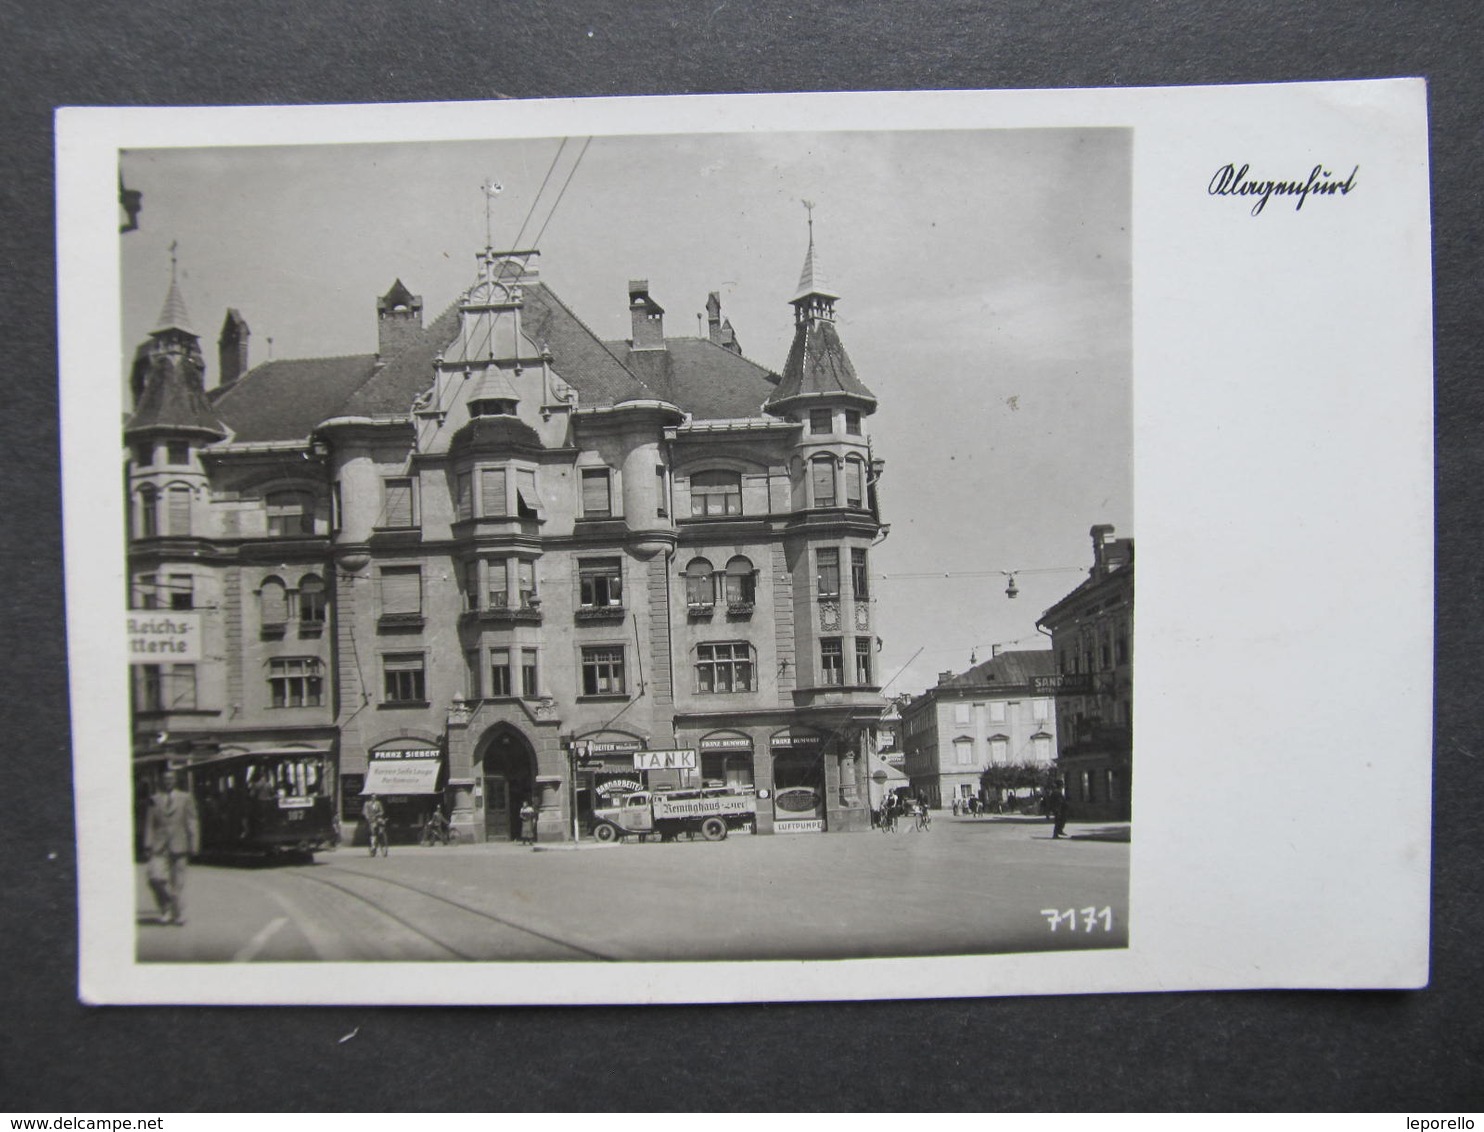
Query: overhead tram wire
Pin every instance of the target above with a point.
(570, 174)
(535, 200)
(980, 573)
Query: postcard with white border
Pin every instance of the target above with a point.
(683, 549)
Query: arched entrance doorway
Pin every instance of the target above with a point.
(508, 764)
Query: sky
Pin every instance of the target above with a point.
(985, 298)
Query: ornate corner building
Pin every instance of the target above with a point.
(499, 540)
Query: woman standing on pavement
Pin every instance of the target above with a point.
(528, 824)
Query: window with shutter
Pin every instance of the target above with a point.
(527, 502)
(822, 473)
(397, 510)
(854, 483)
(179, 516)
(401, 591)
(464, 495)
(492, 501)
(597, 499)
(498, 585)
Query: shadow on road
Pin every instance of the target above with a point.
(1120, 833)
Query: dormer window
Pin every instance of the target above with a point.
(715, 493)
(494, 407)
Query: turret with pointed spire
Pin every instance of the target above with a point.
(169, 374)
(817, 364)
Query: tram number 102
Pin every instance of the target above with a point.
(1090, 918)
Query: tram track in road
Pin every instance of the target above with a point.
(421, 930)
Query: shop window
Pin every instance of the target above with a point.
(822, 479)
(463, 495)
(603, 670)
(178, 513)
(296, 682)
(601, 583)
(855, 481)
(723, 667)
(182, 590)
(312, 605)
(499, 673)
(398, 506)
(831, 661)
(401, 592)
(821, 422)
(863, 661)
(715, 493)
(529, 688)
(597, 493)
(852, 422)
(492, 497)
(700, 588)
(403, 678)
(273, 605)
(827, 571)
(741, 584)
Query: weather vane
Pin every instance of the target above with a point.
(809, 208)
(491, 189)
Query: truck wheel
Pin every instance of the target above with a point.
(714, 829)
(604, 832)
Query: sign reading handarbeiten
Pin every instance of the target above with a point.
(157, 637)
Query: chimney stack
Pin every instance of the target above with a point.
(648, 317)
(399, 320)
(231, 348)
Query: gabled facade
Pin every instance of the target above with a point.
(499, 540)
(991, 715)
(1092, 637)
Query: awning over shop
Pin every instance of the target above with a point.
(402, 776)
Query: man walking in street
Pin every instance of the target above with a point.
(172, 835)
(1056, 804)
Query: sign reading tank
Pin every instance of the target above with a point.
(164, 638)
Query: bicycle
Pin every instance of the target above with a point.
(922, 820)
(435, 833)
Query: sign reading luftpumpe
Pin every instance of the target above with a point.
(158, 637)
(665, 760)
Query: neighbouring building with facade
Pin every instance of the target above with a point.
(502, 546)
(1092, 637)
(991, 715)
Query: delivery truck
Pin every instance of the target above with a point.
(712, 812)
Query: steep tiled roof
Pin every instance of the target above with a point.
(393, 387)
(285, 400)
(1009, 668)
(172, 397)
(817, 363)
(701, 377)
(578, 356)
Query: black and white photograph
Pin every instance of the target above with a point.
(659, 538)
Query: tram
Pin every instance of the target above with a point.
(258, 802)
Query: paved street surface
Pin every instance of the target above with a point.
(968, 886)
